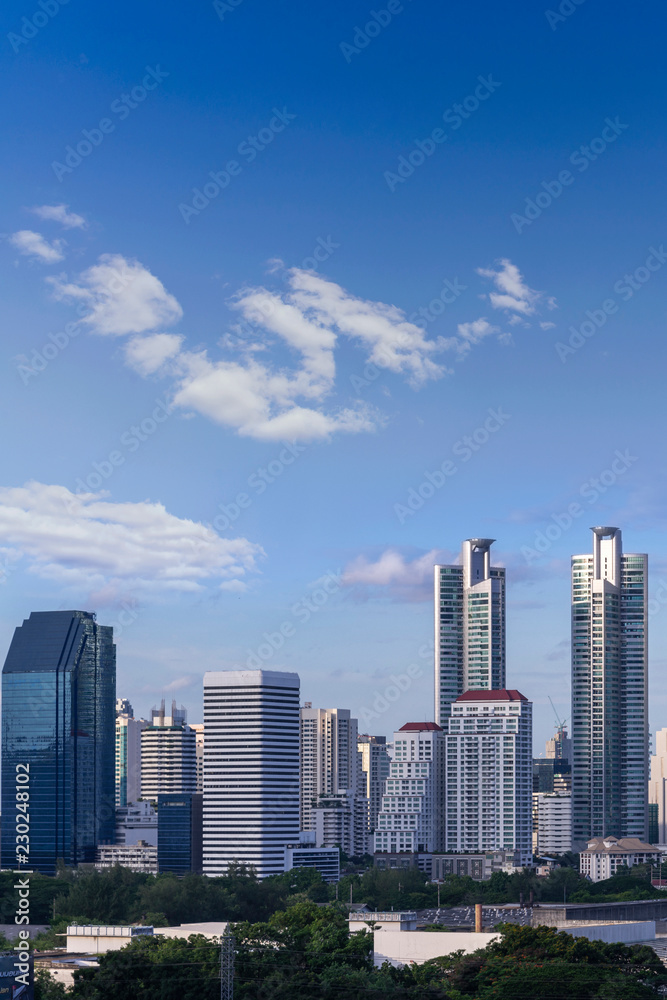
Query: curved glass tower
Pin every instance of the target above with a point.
(58, 722)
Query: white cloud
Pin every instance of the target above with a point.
(34, 245)
(513, 294)
(61, 214)
(88, 543)
(401, 578)
(547, 326)
(122, 295)
(146, 355)
(472, 333)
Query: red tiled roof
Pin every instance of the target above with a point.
(413, 727)
(501, 695)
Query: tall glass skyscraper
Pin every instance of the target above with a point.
(609, 691)
(469, 626)
(58, 716)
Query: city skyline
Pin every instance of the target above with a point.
(293, 343)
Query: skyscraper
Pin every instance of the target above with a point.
(469, 626)
(609, 691)
(58, 697)
(375, 763)
(128, 754)
(330, 761)
(168, 754)
(489, 774)
(251, 769)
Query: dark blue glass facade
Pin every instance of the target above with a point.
(179, 833)
(58, 717)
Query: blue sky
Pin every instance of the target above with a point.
(500, 170)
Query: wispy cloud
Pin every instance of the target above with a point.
(34, 245)
(61, 214)
(513, 294)
(90, 544)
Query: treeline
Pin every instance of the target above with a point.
(120, 896)
(306, 953)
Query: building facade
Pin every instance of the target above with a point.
(410, 820)
(179, 834)
(58, 714)
(139, 857)
(603, 856)
(609, 691)
(554, 823)
(469, 626)
(198, 729)
(375, 761)
(341, 820)
(168, 755)
(330, 761)
(128, 756)
(488, 784)
(136, 821)
(251, 769)
(326, 860)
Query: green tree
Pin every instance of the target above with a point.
(48, 988)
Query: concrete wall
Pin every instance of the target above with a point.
(559, 915)
(630, 933)
(420, 946)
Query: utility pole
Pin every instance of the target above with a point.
(227, 943)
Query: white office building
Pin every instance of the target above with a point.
(375, 761)
(128, 755)
(410, 820)
(251, 769)
(330, 761)
(168, 754)
(198, 729)
(554, 823)
(488, 782)
(609, 691)
(469, 626)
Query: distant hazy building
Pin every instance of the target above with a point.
(341, 820)
(375, 761)
(128, 754)
(489, 774)
(58, 698)
(609, 691)
(553, 773)
(251, 769)
(410, 820)
(168, 754)
(136, 821)
(559, 747)
(469, 626)
(658, 787)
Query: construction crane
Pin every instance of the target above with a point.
(560, 724)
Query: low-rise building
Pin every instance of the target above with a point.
(479, 866)
(326, 860)
(140, 857)
(603, 856)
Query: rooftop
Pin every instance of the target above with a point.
(413, 727)
(501, 695)
(614, 845)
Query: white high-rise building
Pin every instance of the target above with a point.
(198, 729)
(168, 754)
(554, 823)
(469, 626)
(128, 754)
(375, 761)
(657, 794)
(410, 820)
(609, 691)
(251, 769)
(330, 761)
(489, 774)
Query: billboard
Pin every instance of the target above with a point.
(16, 977)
